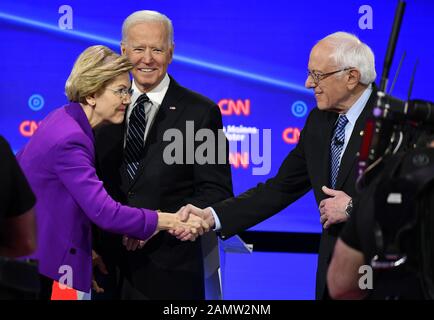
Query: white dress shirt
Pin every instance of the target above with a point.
(155, 96)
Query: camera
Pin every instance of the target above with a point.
(396, 183)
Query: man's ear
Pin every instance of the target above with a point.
(353, 78)
(171, 49)
(123, 48)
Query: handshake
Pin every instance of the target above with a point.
(186, 224)
(189, 222)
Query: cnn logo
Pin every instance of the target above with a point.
(229, 107)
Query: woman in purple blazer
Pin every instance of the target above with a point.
(59, 162)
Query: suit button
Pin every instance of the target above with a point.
(131, 194)
(72, 251)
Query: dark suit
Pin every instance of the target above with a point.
(305, 167)
(165, 268)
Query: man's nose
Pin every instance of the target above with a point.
(147, 56)
(309, 82)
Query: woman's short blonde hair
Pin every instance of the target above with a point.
(94, 68)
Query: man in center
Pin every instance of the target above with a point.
(132, 164)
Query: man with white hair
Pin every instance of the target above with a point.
(132, 161)
(341, 72)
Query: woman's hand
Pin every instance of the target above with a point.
(194, 225)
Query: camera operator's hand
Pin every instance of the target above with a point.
(332, 210)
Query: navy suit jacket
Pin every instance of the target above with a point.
(306, 167)
(166, 187)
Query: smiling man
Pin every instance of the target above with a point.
(148, 46)
(131, 164)
(341, 71)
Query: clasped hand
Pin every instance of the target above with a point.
(190, 212)
(187, 223)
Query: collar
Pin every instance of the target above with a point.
(156, 95)
(75, 110)
(356, 109)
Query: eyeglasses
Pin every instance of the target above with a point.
(123, 93)
(317, 76)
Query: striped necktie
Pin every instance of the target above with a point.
(136, 136)
(336, 146)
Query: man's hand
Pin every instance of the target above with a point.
(132, 244)
(332, 210)
(189, 213)
(99, 263)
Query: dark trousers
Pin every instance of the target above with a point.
(19, 280)
(151, 282)
(46, 288)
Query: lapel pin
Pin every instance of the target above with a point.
(361, 133)
(172, 108)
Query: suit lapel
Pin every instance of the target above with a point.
(167, 115)
(350, 155)
(122, 131)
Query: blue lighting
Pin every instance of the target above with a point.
(177, 57)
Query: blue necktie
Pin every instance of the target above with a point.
(336, 146)
(136, 136)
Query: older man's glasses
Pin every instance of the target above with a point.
(123, 93)
(318, 76)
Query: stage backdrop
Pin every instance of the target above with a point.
(250, 57)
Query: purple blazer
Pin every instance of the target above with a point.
(59, 163)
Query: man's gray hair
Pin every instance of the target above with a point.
(351, 52)
(147, 16)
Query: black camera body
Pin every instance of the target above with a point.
(395, 126)
(400, 202)
(396, 178)
(396, 170)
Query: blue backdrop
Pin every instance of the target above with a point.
(248, 56)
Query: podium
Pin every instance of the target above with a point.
(214, 251)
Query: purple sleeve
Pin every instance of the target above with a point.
(74, 165)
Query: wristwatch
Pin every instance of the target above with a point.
(349, 207)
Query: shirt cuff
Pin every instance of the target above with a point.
(217, 224)
(151, 221)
